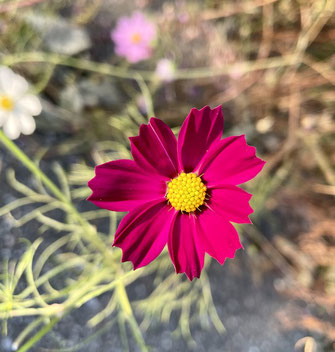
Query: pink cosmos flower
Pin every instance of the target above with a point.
(180, 193)
(134, 37)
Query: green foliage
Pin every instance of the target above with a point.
(82, 257)
(87, 263)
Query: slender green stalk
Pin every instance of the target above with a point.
(127, 73)
(321, 158)
(31, 342)
(18, 153)
(27, 330)
(89, 233)
(128, 315)
(147, 95)
(87, 340)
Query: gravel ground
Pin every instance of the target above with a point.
(246, 306)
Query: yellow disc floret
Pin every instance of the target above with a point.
(136, 38)
(6, 103)
(186, 192)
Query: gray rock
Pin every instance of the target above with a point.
(6, 344)
(71, 99)
(59, 35)
(101, 92)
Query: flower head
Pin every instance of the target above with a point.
(134, 37)
(181, 193)
(17, 107)
(165, 70)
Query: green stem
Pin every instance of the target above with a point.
(18, 153)
(147, 95)
(31, 342)
(122, 72)
(89, 233)
(129, 316)
(87, 340)
(27, 330)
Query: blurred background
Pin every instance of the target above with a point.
(270, 64)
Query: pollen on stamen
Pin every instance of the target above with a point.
(136, 38)
(6, 103)
(186, 193)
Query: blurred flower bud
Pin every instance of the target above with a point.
(165, 70)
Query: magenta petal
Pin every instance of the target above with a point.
(185, 249)
(218, 236)
(121, 186)
(200, 129)
(231, 202)
(143, 233)
(155, 149)
(230, 161)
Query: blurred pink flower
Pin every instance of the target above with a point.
(165, 70)
(134, 37)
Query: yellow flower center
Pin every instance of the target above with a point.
(186, 192)
(6, 103)
(136, 38)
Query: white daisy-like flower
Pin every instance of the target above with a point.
(17, 106)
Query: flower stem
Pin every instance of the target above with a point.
(31, 342)
(18, 153)
(123, 72)
(88, 232)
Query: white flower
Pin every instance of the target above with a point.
(17, 106)
(165, 70)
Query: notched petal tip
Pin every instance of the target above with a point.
(207, 112)
(250, 221)
(190, 276)
(154, 119)
(217, 109)
(253, 148)
(90, 198)
(90, 185)
(232, 256)
(126, 258)
(94, 181)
